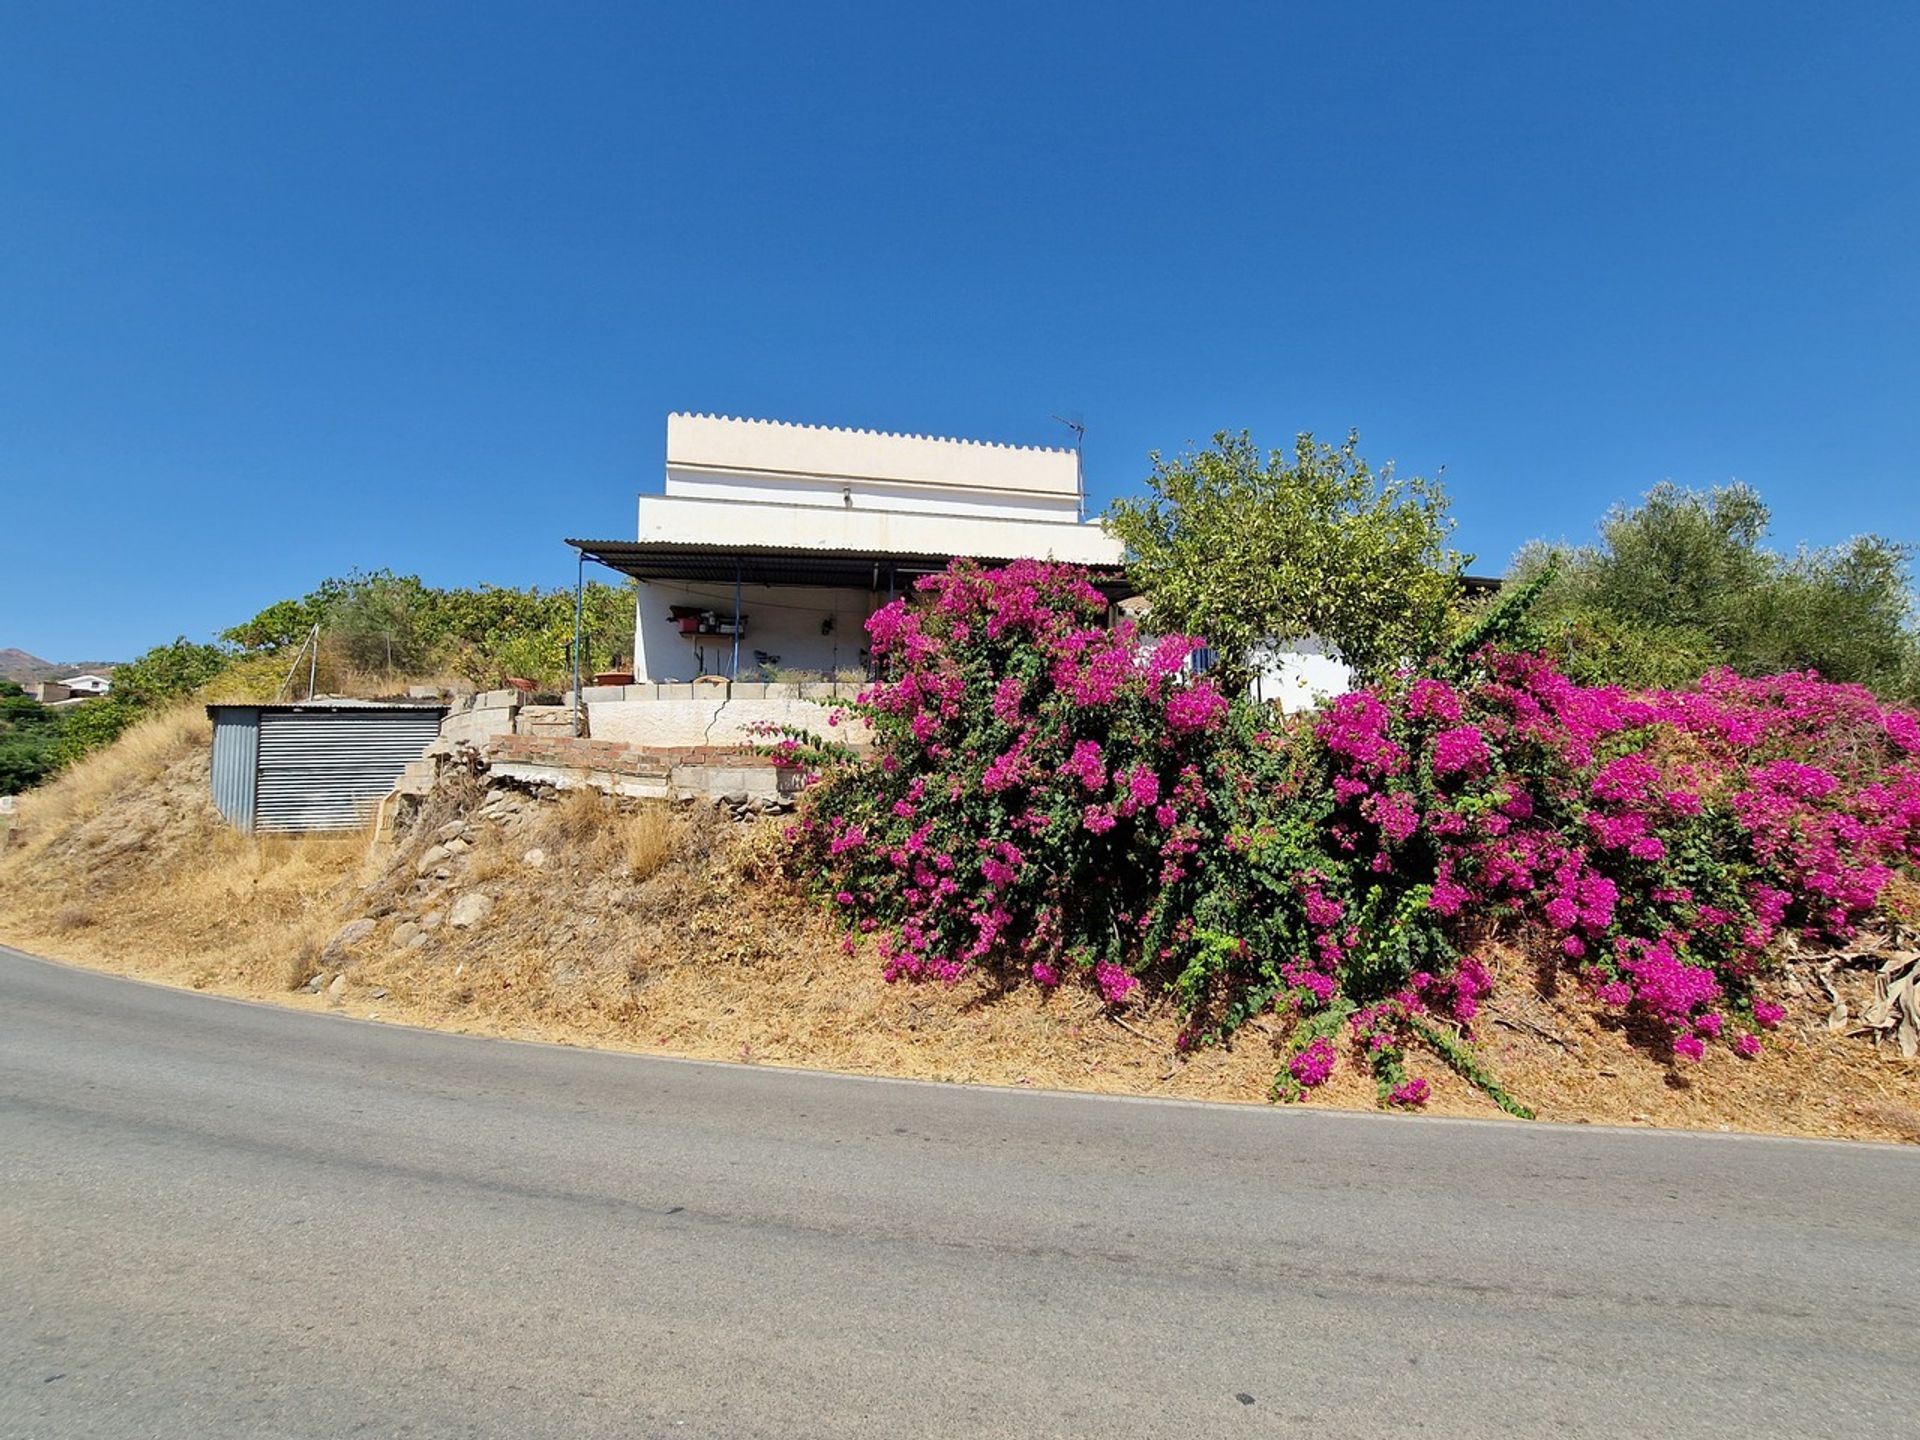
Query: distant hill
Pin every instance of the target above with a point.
(19, 665)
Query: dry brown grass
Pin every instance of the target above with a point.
(131, 766)
(647, 837)
(123, 862)
(674, 931)
(610, 833)
(261, 679)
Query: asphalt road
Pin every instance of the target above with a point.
(221, 1219)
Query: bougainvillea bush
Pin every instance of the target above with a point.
(1037, 779)
(1055, 800)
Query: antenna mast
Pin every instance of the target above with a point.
(1078, 426)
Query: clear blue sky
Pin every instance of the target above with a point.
(289, 289)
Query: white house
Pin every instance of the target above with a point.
(86, 685)
(803, 531)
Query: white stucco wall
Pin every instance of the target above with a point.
(771, 450)
(713, 716)
(762, 484)
(1299, 674)
(834, 493)
(783, 620)
(679, 520)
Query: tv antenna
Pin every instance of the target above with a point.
(1077, 424)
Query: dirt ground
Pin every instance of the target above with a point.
(674, 932)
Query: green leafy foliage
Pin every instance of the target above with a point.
(383, 623)
(168, 672)
(1683, 583)
(29, 739)
(36, 740)
(90, 726)
(1239, 548)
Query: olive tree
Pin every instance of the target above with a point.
(1684, 581)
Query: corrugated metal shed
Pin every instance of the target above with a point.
(236, 761)
(317, 766)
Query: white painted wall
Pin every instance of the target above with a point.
(831, 493)
(772, 450)
(716, 719)
(760, 483)
(679, 520)
(782, 620)
(1299, 674)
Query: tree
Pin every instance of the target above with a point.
(1682, 583)
(92, 725)
(29, 738)
(381, 623)
(167, 672)
(1243, 549)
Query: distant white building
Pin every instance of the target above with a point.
(87, 685)
(803, 531)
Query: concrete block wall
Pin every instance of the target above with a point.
(475, 718)
(544, 720)
(677, 720)
(668, 716)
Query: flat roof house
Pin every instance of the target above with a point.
(773, 543)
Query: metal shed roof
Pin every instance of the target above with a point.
(329, 703)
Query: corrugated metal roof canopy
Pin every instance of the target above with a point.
(786, 565)
(801, 565)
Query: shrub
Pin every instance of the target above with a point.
(1036, 793)
(1053, 800)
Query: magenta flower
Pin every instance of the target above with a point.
(1314, 1064)
(1460, 751)
(1409, 1094)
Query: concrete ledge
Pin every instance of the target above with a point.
(726, 776)
(563, 777)
(497, 700)
(591, 693)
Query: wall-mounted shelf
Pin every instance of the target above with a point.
(698, 624)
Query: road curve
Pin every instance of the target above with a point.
(222, 1219)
